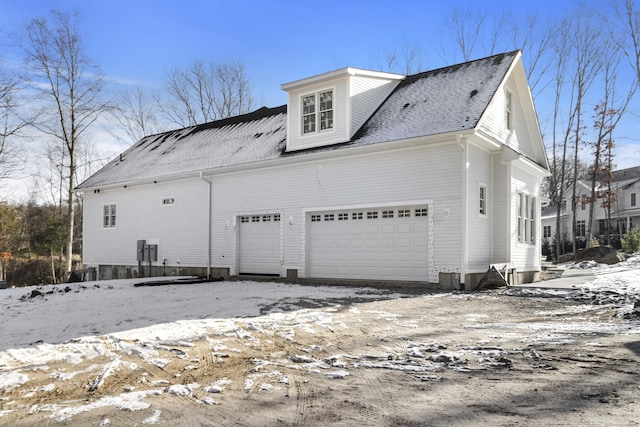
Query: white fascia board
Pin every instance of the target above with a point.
(531, 167)
(144, 181)
(342, 72)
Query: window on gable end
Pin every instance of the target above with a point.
(509, 109)
(633, 199)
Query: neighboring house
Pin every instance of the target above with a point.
(362, 175)
(625, 210)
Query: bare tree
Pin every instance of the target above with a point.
(607, 116)
(202, 93)
(466, 28)
(585, 51)
(70, 86)
(404, 60)
(12, 122)
(627, 24)
(135, 114)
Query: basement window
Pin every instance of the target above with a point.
(109, 215)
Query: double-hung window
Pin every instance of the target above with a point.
(526, 206)
(482, 199)
(109, 215)
(509, 109)
(317, 111)
(633, 199)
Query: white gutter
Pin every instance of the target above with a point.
(209, 206)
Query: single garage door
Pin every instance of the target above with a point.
(259, 244)
(375, 244)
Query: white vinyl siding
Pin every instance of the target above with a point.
(354, 99)
(500, 206)
(180, 231)
(369, 179)
(300, 137)
(525, 254)
(366, 95)
(479, 225)
(515, 134)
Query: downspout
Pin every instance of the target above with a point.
(464, 145)
(209, 206)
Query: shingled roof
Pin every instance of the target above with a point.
(445, 100)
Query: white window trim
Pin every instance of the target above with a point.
(483, 212)
(109, 227)
(317, 93)
(633, 200)
(526, 232)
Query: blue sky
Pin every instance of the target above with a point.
(137, 41)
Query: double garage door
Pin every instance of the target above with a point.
(375, 244)
(370, 244)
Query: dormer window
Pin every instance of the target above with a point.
(323, 114)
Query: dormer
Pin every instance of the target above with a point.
(329, 108)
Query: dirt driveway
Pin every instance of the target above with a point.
(431, 360)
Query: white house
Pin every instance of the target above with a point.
(363, 175)
(624, 214)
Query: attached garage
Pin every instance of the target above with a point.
(259, 244)
(387, 243)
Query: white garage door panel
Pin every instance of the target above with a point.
(259, 244)
(384, 243)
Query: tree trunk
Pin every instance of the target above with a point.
(70, 215)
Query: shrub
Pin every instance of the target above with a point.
(593, 243)
(631, 241)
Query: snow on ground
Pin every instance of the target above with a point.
(106, 322)
(616, 284)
